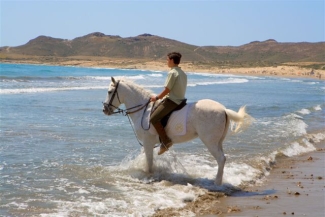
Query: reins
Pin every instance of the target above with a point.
(127, 112)
(123, 111)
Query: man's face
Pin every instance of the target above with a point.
(170, 62)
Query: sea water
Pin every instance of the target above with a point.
(61, 156)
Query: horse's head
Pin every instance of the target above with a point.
(112, 101)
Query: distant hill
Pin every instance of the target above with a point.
(147, 46)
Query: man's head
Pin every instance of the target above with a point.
(174, 57)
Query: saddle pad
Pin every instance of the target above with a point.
(176, 124)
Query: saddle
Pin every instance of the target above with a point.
(165, 119)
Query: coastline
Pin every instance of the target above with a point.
(290, 189)
(285, 71)
(295, 187)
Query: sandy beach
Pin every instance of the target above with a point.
(295, 187)
(289, 70)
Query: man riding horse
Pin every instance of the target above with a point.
(207, 119)
(172, 95)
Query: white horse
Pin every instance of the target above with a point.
(207, 119)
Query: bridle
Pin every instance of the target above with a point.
(126, 111)
(110, 103)
(119, 110)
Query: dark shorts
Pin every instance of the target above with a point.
(163, 109)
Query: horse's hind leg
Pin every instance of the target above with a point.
(213, 141)
(221, 159)
(217, 152)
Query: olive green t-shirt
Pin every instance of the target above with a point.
(176, 82)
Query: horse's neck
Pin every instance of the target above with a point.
(134, 96)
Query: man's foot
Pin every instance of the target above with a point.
(164, 147)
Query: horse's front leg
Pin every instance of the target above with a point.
(148, 150)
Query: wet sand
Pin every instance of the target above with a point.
(295, 187)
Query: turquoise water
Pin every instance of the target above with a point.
(61, 156)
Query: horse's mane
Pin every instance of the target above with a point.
(136, 87)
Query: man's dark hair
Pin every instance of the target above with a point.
(175, 56)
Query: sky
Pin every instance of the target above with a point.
(195, 22)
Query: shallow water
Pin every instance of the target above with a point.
(61, 156)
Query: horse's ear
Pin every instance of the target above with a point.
(113, 80)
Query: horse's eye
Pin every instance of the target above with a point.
(109, 92)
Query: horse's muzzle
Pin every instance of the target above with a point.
(106, 109)
(107, 112)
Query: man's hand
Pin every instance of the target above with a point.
(153, 98)
(162, 95)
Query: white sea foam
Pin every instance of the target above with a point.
(83, 191)
(176, 179)
(295, 148)
(104, 207)
(19, 206)
(196, 169)
(155, 75)
(316, 137)
(296, 81)
(304, 111)
(216, 75)
(143, 199)
(317, 108)
(303, 146)
(49, 89)
(99, 77)
(265, 122)
(294, 125)
(211, 74)
(281, 127)
(136, 77)
(236, 174)
(226, 81)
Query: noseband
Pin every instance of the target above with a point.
(123, 111)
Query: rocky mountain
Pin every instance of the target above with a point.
(147, 46)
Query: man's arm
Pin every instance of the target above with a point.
(161, 95)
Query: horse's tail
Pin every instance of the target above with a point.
(240, 119)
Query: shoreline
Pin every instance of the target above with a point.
(294, 187)
(284, 71)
